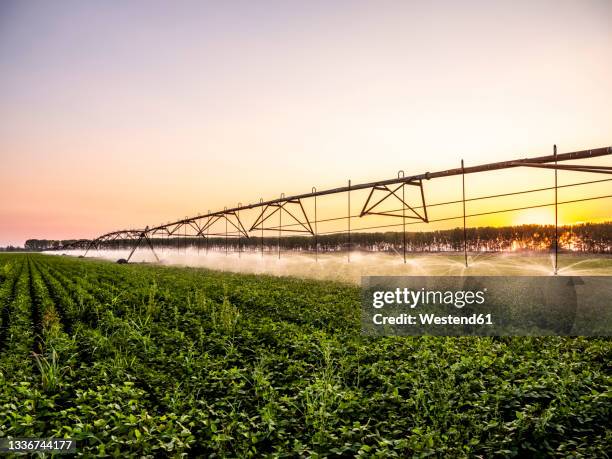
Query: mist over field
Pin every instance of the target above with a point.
(336, 266)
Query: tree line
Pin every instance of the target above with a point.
(587, 237)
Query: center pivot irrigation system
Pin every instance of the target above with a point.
(381, 193)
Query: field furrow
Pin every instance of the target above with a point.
(144, 360)
(36, 314)
(8, 291)
(61, 302)
(18, 397)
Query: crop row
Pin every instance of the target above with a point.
(143, 360)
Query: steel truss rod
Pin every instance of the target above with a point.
(478, 198)
(573, 167)
(460, 201)
(583, 154)
(556, 168)
(143, 235)
(267, 212)
(237, 224)
(123, 234)
(391, 187)
(394, 192)
(480, 214)
(464, 216)
(209, 222)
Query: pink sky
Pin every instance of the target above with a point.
(120, 114)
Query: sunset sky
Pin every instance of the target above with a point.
(122, 114)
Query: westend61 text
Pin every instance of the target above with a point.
(432, 319)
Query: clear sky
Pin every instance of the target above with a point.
(121, 114)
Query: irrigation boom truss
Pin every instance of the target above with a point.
(380, 192)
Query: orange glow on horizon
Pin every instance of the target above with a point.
(542, 216)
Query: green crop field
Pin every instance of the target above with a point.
(142, 360)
